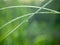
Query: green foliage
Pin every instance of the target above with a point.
(19, 26)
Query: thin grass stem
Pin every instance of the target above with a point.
(10, 32)
(40, 8)
(30, 15)
(25, 6)
(14, 20)
(25, 16)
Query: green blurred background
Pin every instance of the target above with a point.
(41, 29)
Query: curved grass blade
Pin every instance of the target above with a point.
(28, 7)
(13, 20)
(41, 8)
(10, 32)
(25, 16)
(24, 21)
